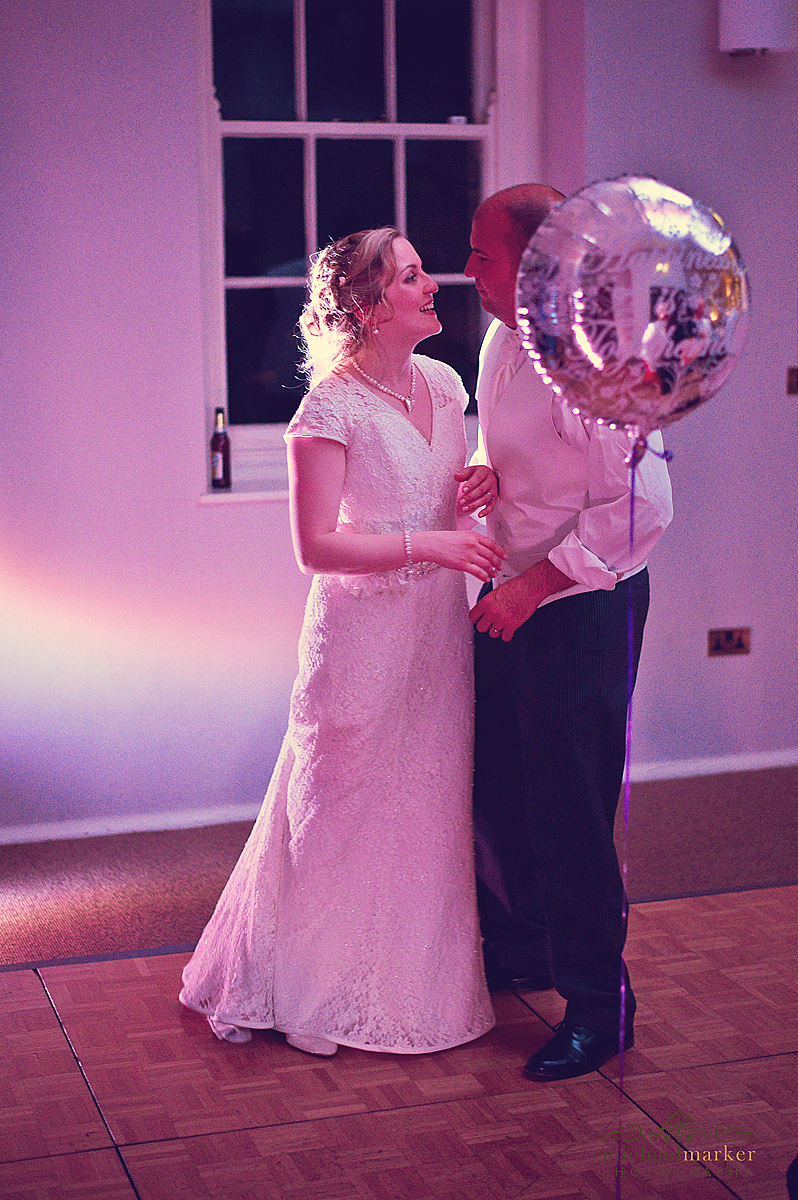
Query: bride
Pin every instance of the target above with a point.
(350, 918)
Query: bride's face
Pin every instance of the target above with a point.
(407, 311)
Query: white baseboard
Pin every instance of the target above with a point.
(192, 819)
(127, 823)
(688, 768)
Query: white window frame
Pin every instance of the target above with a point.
(506, 96)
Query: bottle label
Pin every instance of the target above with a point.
(217, 466)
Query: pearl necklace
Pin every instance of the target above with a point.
(408, 400)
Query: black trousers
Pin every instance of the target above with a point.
(551, 713)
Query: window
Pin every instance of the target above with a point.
(333, 117)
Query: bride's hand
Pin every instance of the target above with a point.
(467, 551)
(479, 485)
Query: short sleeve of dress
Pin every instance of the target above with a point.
(445, 383)
(323, 413)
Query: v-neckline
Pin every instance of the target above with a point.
(425, 381)
(406, 419)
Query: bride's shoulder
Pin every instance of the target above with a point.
(444, 383)
(327, 409)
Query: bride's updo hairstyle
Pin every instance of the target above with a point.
(347, 281)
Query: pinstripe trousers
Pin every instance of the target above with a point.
(551, 709)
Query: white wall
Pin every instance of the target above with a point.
(661, 100)
(148, 641)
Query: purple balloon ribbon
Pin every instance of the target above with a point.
(638, 450)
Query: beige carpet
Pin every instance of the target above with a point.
(713, 833)
(147, 891)
(133, 891)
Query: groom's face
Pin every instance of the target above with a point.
(493, 263)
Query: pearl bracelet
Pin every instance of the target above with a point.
(408, 551)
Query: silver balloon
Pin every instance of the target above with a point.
(633, 303)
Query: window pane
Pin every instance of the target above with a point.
(263, 354)
(458, 308)
(355, 186)
(345, 60)
(253, 59)
(433, 59)
(442, 194)
(263, 203)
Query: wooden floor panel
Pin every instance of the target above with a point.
(715, 978)
(544, 1142)
(45, 1106)
(741, 1117)
(97, 1175)
(714, 1072)
(158, 1071)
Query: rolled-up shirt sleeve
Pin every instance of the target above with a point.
(612, 537)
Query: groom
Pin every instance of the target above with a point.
(552, 669)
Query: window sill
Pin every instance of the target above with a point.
(259, 468)
(242, 495)
(257, 465)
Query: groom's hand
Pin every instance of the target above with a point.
(508, 606)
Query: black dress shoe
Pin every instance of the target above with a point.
(500, 980)
(574, 1050)
(541, 981)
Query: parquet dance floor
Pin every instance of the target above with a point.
(108, 1089)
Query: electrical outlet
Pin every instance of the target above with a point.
(792, 381)
(728, 641)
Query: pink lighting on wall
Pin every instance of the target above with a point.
(119, 715)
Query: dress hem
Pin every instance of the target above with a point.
(339, 1040)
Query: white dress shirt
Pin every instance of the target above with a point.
(564, 483)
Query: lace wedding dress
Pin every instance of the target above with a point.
(351, 914)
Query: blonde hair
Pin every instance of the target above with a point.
(347, 281)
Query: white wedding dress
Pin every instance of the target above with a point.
(351, 913)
